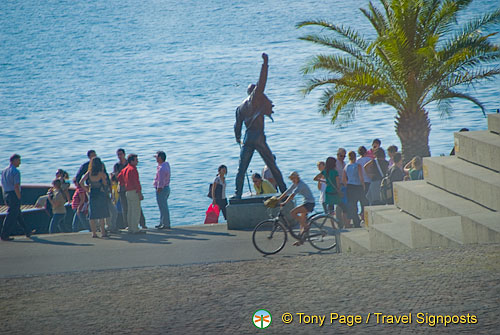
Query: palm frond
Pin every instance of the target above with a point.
(445, 18)
(446, 94)
(346, 32)
(469, 33)
(376, 19)
(469, 78)
(335, 44)
(418, 57)
(334, 64)
(315, 83)
(326, 103)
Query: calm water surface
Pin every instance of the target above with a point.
(168, 75)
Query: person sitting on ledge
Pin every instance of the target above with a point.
(262, 186)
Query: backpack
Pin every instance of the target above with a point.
(218, 191)
(386, 190)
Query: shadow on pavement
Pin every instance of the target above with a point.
(139, 238)
(162, 236)
(181, 233)
(37, 239)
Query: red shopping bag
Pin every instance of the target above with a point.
(212, 214)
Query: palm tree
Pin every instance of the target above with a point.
(420, 55)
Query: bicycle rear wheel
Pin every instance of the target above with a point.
(323, 232)
(269, 237)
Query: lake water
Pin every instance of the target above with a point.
(168, 75)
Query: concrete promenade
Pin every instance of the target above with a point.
(205, 279)
(180, 246)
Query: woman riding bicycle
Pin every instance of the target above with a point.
(299, 213)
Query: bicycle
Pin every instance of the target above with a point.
(270, 236)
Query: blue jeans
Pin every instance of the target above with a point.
(55, 223)
(80, 222)
(162, 200)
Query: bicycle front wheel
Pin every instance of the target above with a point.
(323, 232)
(269, 237)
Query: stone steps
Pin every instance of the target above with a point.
(390, 236)
(371, 213)
(391, 216)
(494, 123)
(458, 201)
(465, 179)
(481, 228)
(355, 241)
(440, 232)
(426, 201)
(479, 147)
(391, 229)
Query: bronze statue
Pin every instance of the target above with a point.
(252, 111)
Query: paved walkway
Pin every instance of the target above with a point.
(180, 246)
(222, 297)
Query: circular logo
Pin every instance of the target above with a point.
(261, 319)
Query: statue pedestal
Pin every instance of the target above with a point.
(247, 212)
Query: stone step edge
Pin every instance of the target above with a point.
(406, 186)
(352, 238)
(424, 225)
(478, 165)
(400, 217)
(476, 230)
(461, 196)
(474, 166)
(383, 232)
(407, 217)
(471, 136)
(491, 122)
(370, 211)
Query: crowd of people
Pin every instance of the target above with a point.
(358, 181)
(99, 198)
(344, 186)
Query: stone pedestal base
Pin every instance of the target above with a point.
(246, 213)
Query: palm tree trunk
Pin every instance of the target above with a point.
(413, 130)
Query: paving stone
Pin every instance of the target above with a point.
(222, 297)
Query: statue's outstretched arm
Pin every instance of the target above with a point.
(261, 85)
